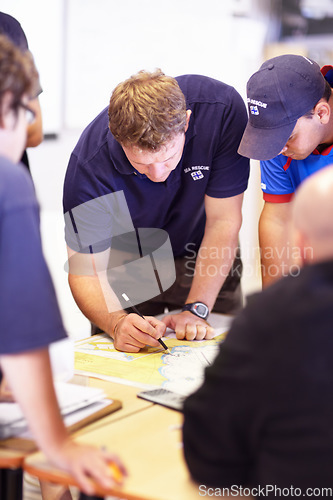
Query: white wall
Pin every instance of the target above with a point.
(83, 48)
(107, 41)
(43, 24)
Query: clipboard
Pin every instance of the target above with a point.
(112, 406)
(28, 445)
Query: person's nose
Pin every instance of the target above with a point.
(283, 150)
(156, 169)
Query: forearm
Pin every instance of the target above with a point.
(275, 247)
(214, 260)
(30, 379)
(98, 303)
(95, 299)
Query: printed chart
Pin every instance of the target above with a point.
(181, 372)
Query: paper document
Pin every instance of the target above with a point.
(71, 398)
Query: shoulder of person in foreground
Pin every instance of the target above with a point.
(271, 340)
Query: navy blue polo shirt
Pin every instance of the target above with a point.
(209, 165)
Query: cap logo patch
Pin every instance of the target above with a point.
(254, 110)
(257, 103)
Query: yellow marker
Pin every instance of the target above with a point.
(117, 474)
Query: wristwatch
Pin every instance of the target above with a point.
(198, 308)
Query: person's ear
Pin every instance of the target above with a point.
(6, 114)
(188, 116)
(323, 111)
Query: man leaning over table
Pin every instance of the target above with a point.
(290, 130)
(170, 145)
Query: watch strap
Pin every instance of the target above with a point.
(198, 309)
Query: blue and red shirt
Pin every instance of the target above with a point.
(281, 176)
(209, 165)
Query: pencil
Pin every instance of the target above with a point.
(134, 309)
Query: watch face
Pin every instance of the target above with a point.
(200, 309)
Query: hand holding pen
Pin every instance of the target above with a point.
(132, 332)
(134, 309)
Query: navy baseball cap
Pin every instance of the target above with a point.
(284, 89)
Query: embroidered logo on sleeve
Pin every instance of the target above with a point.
(197, 175)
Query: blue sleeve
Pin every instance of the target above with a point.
(274, 179)
(91, 224)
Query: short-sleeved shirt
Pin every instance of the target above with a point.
(281, 176)
(29, 312)
(210, 165)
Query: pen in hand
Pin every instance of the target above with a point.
(134, 309)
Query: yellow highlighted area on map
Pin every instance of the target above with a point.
(182, 371)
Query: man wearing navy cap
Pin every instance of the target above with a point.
(170, 145)
(290, 129)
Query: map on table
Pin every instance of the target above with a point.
(152, 367)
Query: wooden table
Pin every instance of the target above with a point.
(13, 451)
(149, 443)
(125, 393)
(147, 437)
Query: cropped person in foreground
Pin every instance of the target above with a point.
(268, 395)
(29, 314)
